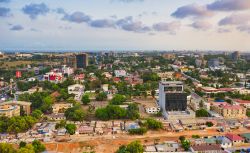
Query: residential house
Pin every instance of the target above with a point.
(236, 139)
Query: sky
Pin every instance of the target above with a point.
(125, 25)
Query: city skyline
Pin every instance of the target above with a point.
(125, 25)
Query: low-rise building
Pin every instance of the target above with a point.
(120, 73)
(224, 142)
(192, 124)
(57, 117)
(61, 107)
(229, 111)
(245, 103)
(246, 136)
(77, 90)
(9, 110)
(236, 139)
(204, 148)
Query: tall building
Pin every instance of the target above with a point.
(82, 60)
(235, 56)
(172, 97)
(77, 61)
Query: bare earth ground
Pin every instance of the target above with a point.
(110, 143)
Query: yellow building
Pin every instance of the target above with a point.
(9, 110)
(230, 111)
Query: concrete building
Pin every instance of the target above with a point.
(120, 73)
(61, 107)
(76, 60)
(235, 55)
(77, 90)
(172, 98)
(25, 106)
(82, 60)
(9, 110)
(236, 140)
(204, 148)
(229, 111)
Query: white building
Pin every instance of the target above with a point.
(120, 73)
(77, 90)
(172, 98)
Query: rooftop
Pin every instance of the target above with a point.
(205, 147)
(234, 137)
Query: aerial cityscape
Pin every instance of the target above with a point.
(125, 76)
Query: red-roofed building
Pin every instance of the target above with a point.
(229, 111)
(116, 80)
(204, 148)
(245, 103)
(236, 139)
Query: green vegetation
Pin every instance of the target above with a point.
(35, 147)
(85, 99)
(71, 128)
(40, 100)
(110, 112)
(118, 99)
(202, 113)
(133, 147)
(37, 114)
(17, 124)
(195, 136)
(209, 124)
(139, 131)
(153, 124)
(101, 96)
(75, 113)
(184, 143)
(116, 112)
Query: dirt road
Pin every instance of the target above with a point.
(110, 143)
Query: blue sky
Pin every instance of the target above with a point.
(125, 25)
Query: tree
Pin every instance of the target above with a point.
(22, 144)
(61, 124)
(75, 113)
(110, 112)
(202, 113)
(6, 148)
(153, 124)
(185, 144)
(133, 111)
(27, 149)
(209, 124)
(37, 114)
(135, 147)
(85, 99)
(118, 99)
(71, 128)
(101, 96)
(139, 131)
(38, 146)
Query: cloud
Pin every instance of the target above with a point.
(77, 17)
(60, 11)
(229, 5)
(4, 1)
(201, 25)
(102, 23)
(171, 27)
(34, 10)
(128, 24)
(16, 28)
(244, 28)
(4, 12)
(235, 19)
(221, 30)
(192, 10)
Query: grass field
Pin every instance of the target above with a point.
(13, 64)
